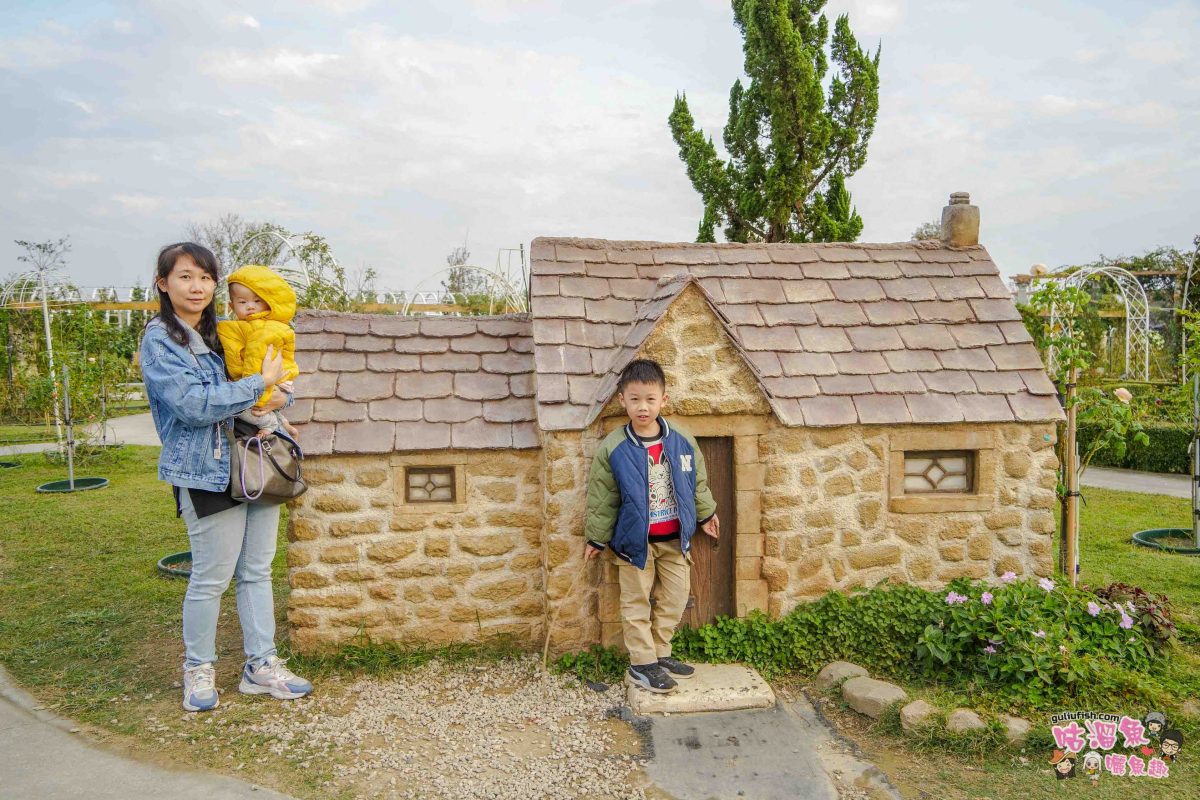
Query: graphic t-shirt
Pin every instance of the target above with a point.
(664, 513)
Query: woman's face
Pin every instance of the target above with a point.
(189, 287)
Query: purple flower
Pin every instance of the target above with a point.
(1132, 608)
(989, 649)
(1040, 634)
(1093, 609)
(1126, 621)
(1008, 577)
(954, 598)
(986, 598)
(1046, 584)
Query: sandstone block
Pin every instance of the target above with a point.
(1004, 518)
(979, 546)
(340, 554)
(1017, 463)
(307, 579)
(437, 546)
(839, 486)
(501, 590)
(874, 555)
(371, 478)
(382, 591)
(835, 672)
(302, 530)
(868, 513)
(775, 573)
(331, 599)
(499, 491)
(870, 697)
(395, 550)
(355, 574)
(488, 545)
(296, 557)
(336, 504)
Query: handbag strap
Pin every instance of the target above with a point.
(262, 470)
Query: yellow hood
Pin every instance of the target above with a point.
(271, 287)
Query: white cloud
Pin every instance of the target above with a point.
(82, 105)
(250, 22)
(254, 67)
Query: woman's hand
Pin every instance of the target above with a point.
(272, 366)
(278, 400)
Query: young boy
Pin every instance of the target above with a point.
(264, 305)
(647, 492)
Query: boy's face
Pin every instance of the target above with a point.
(245, 302)
(643, 402)
(1170, 747)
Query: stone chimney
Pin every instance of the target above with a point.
(960, 221)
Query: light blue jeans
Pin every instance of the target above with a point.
(236, 543)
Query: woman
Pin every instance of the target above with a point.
(192, 401)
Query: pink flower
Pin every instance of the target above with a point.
(989, 649)
(1093, 609)
(1008, 577)
(954, 598)
(1126, 621)
(1123, 395)
(986, 598)
(1046, 584)
(1040, 634)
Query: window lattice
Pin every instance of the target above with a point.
(941, 471)
(430, 485)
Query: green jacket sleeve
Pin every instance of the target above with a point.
(706, 506)
(603, 499)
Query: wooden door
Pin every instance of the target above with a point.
(712, 564)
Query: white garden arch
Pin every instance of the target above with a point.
(1137, 314)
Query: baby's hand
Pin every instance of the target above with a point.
(287, 386)
(289, 427)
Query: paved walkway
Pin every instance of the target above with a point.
(1128, 480)
(40, 759)
(133, 429)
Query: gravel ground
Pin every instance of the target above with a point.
(504, 731)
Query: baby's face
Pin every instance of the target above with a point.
(244, 301)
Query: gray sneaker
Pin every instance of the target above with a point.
(652, 678)
(677, 668)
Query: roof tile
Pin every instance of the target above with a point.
(823, 270)
(611, 310)
(631, 289)
(521, 385)
(451, 409)
(947, 380)
(750, 254)
(1015, 356)
(422, 435)
(587, 287)
(956, 288)
(590, 334)
(853, 290)
(428, 385)
(873, 337)
(924, 269)
(479, 343)
(926, 336)
(1015, 332)
(786, 314)
(824, 411)
(833, 312)
(422, 344)
(511, 409)
(756, 338)
(525, 435)
(985, 407)
(349, 323)
(911, 360)
(333, 409)
(943, 311)
(784, 271)
(509, 363)
(807, 364)
(721, 271)
(364, 437)
(340, 361)
(1035, 408)
(944, 255)
(449, 326)
(549, 331)
(844, 384)
(319, 341)
(806, 291)
(317, 438)
(898, 382)
(544, 285)
(746, 313)
(1038, 382)
(975, 359)
(548, 307)
(480, 386)
(842, 254)
(998, 382)
(752, 290)
(361, 386)
(881, 408)
(394, 409)
(819, 339)
(909, 289)
(798, 386)
(890, 312)
(932, 407)
(874, 269)
(860, 363)
(620, 271)
(766, 363)
(450, 362)
(976, 334)
(319, 384)
(993, 286)
(393, 362)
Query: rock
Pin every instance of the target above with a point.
(835, 672)
(869, 696)
(1015, 728)
(915, 714)
(962, 720)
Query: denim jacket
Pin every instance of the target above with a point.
(191, 401)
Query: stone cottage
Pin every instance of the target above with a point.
(867, 412)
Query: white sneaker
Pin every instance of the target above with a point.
(199, 688)
(275, 679)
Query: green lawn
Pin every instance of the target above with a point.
(92, 630)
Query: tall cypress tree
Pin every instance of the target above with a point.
(791, 142)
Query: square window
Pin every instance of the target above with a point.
(429, 485)
(939, 471)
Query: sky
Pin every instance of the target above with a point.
(401, 130)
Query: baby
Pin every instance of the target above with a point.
(264, 305)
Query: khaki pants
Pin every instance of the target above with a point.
(667, 576)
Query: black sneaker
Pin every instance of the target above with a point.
(652, 678)
(676, 668)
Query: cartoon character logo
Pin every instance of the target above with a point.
(1172, 743)
(1156, 723)
(1064, 764)
(1092, 766)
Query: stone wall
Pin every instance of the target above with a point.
(361, 560)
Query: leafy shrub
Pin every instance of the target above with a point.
(909, 632)
(1153, 611)
(602, 664)
(1036, 641)
(1166, 450)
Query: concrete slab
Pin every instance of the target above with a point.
(761, 754)
(714, 687)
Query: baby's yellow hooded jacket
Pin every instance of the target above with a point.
(246, 340)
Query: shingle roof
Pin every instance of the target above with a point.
(378, 384)
(837, 334)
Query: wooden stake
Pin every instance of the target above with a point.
(1070, 472)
